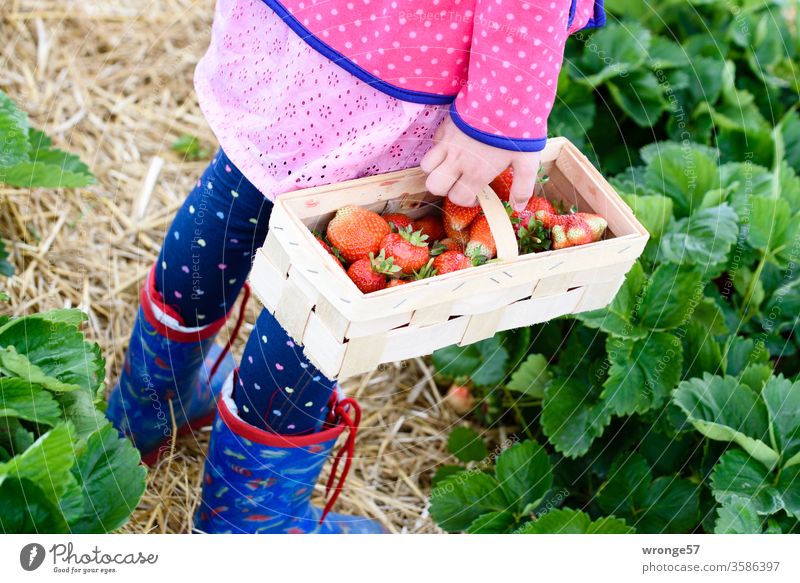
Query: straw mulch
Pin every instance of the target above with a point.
(112, 82)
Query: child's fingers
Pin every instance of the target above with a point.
(442, 178)
(522, 186)
(464, 192)
(433, 158)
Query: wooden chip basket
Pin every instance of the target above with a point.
(345, 332)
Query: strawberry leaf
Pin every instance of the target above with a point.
(466, 445)
(572, 416)
(525, 474)
(568, 521)
(14, 128)
(457, 501)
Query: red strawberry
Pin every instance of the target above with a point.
(430, 225)
(357, 232)
(502, 184)
(450, 261)
(540, 207)
(398, 221)
(446, 245)
(521, 219)
(571, 230)
(369, 275)
(457, 219)
(408, 250)
(481, 244)
(330, 251)
(397, 282)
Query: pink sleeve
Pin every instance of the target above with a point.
(516, 56)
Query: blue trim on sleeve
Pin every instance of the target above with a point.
(516, 144)
(349, 66)
(598, 19)
(572, 7)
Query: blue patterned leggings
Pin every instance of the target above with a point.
(202, 267)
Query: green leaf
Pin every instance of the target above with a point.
(47, 167)
(725, 410)
(618, 317)
(755, 376)
(737, 475)
(742, 353)
(443, 472)
(737, 516)
(47, 463)
(82, 409)
(667, 504)
(640, 96)
(499, 522)
(572, 416)
(13, 135)
(460, 499)
(531, 377)
(525, 474)
(57, 349)
(467, 445)
(626, 488)
(683, 173)
(23, 400)
(14, 364)
(24, 509)
(484, 362)
(642, 372)
(190, 148)
(672, 506)
(568, 521)
(653, 211)
(667, 298)
(617, 49)
(782, 398)
(704, 238)
(703, 352)
(111, 481)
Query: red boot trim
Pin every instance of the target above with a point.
(150, 296)
(262, 437)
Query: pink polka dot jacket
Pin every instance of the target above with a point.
(496, 61)
(307, 93)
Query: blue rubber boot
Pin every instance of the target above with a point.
(260, 482)
(169, 370)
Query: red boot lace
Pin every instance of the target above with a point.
(341, 410)
(234, 335)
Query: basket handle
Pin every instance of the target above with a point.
(500, 224)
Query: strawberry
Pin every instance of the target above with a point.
(332, 252)
(481, 246)
(369, 275)
(460, 398)
(397, 221)
(397, 282)
(450, 261)
(540, 207)
(502, 184)
(446, 245)
(408, 250)
(357, 232)
(457, 219)
(597, 225)
(430, 225)
(571, 230)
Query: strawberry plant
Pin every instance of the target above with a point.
(675, 408)
(63, 467)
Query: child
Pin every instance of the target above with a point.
(303, 93)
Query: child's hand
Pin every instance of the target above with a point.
(459, 166)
